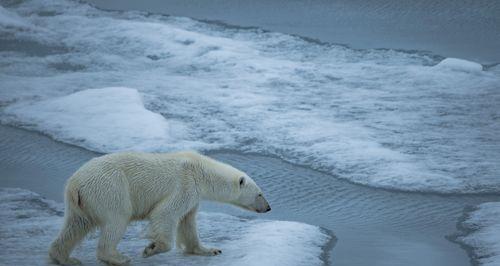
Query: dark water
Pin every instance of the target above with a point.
(372, 226)
(465, 28)
(35, 162)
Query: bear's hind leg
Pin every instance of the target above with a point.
(111, 233)
(73, 231)
(108, 200)
(187, 236)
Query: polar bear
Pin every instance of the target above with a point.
(112, 190)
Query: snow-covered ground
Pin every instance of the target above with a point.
(384, 118)
(29, 224)
(456, 64)
(483, 233)
(107, 119)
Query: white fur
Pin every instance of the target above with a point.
(112, 190)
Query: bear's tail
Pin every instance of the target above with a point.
(74, 200)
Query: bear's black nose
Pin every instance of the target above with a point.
(268, 208)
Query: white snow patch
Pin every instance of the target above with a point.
(29, 223)
(262, 235)
(460, 65)
(105, 120)
(484, 238)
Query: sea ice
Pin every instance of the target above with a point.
(460, 65)
(383, 118)
(483, 228)
(29, 223)
(107, 120)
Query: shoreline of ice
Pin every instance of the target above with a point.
(30, 222)
(480, 234)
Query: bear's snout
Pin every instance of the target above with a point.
(262, 204)
(264, 210)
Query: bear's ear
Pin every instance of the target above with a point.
(242, 181)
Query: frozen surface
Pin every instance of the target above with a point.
(458, 28)
(377, 117)
(459, 65)
(107, 120)
(29, 223)
(483, 225)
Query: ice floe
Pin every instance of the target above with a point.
(460, 65)
(482, 228)
(29, 224)
(107, 120)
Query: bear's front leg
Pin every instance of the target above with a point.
(161, 230)
(187, 236)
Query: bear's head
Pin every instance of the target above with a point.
(250, 196)
(224, 183)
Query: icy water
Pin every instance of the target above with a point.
(383, 118)
(372, 226)
(454, 28)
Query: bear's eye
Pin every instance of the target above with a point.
(242, 181)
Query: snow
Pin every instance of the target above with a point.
(382, 118)
(460, 65)
(483, 225)
(107, 120)
(29, 223)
